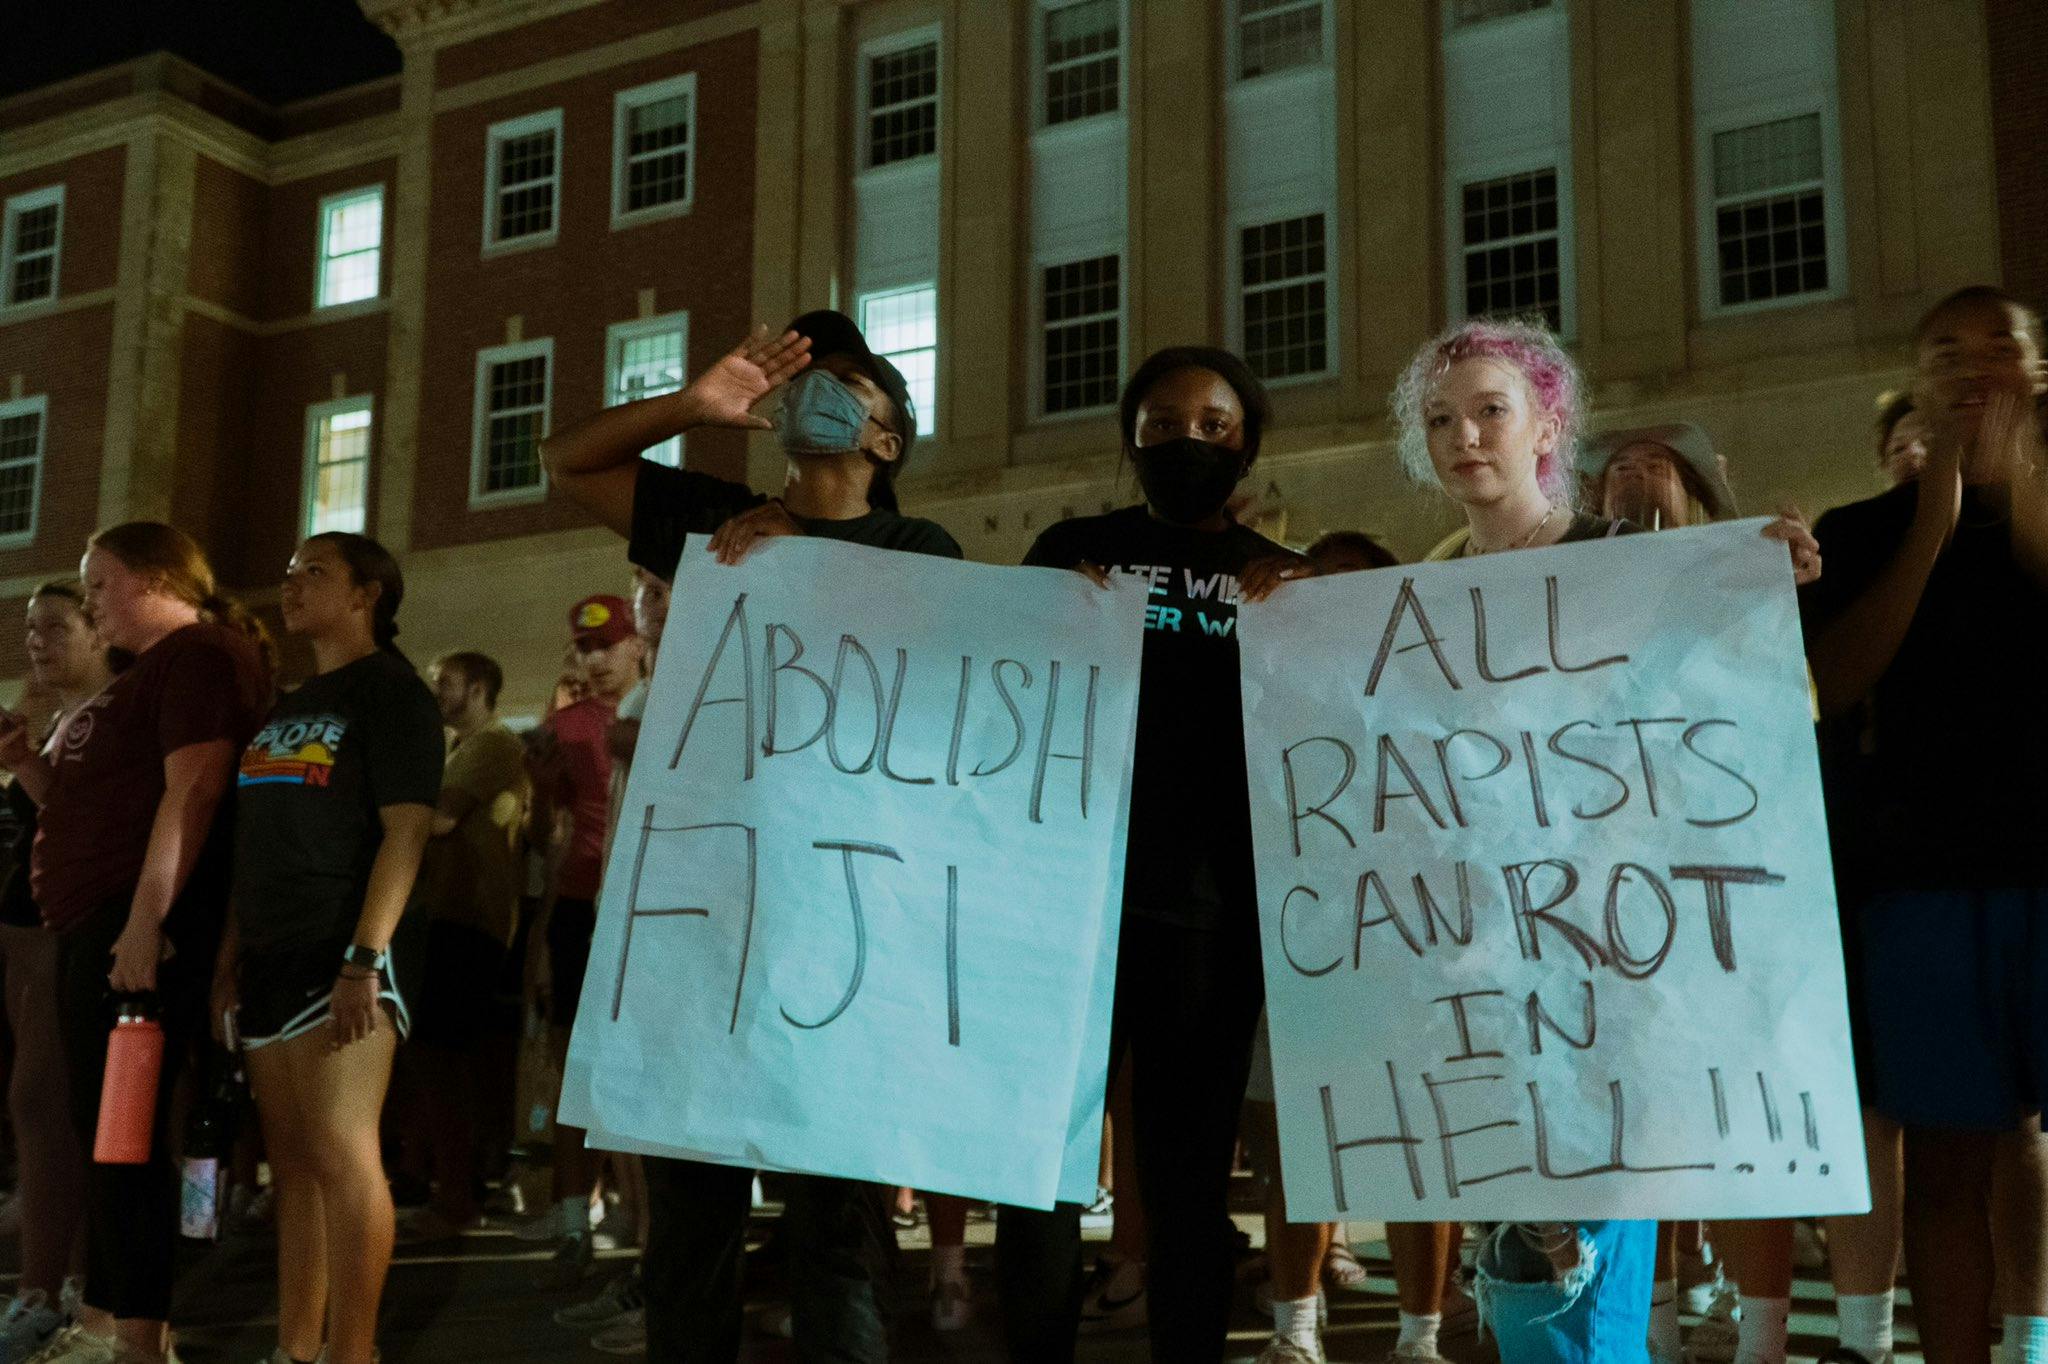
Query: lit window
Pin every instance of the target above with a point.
(902, 326)
(1082, 60)
(21, 467)
(337, 466)
(1511, 247)
(652, 150)
(1479, 11)
(525, 190)
(1286, 297)
(645, 360)
(1082, 346)
(513, 386)
(351, 245)
(903, 104)
(1277, 35)
(31, 238)
(1770, 211)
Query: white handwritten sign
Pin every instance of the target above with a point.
(1548, 915)
(859, 917)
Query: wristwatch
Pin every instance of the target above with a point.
(364, 958)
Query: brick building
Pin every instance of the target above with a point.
(362, 309)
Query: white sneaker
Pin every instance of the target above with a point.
(626, 1336)
(28, 1325)
(1114, 1299)
(1714, 1340)
(1280, 1351)
(1101, 1213)
(1262, 1303)
(952, 1305)
(75, 1345)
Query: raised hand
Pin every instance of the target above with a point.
(1261, 577)
(1791, 528)
(725, 394)
(2012, 430)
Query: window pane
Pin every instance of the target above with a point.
(1479, 11)
(903, 327)
(1772, 248)
(1510, 247)
(1082, 64)
(1082, 355)
(526, 184)
(355, 225)
(1286, 302)
(20, 463)
(34, 277)
(903, 106)
(1769, 156)
(1275, 35)
(515, 394)
(36, 230)
(657, 153)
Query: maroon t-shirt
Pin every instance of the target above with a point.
(195, 685)
(586, 789)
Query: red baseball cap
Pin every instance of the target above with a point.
(600, 621)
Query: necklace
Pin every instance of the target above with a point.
(1472, 545)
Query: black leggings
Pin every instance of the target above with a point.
(131, 1210)
(1187, 1004)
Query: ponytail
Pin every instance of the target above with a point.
(218, 609)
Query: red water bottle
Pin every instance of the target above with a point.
(135, 1058)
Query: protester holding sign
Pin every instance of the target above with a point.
(846, 426)
(335, 803)
(1924, 645)
(1188, 989)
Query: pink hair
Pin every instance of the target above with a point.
(1553, 382)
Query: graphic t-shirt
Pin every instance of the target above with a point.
(327, 759)
(1190, 852)
(584, 788)
(199, 684)
(473, 873)
(669, 504)
(1939, 779)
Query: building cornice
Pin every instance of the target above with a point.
(436, 23)
(117, 122)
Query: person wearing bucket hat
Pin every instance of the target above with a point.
(846, 423)
(1657, 476)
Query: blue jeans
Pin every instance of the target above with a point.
(1540, 1317)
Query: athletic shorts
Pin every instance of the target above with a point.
(287, 991)
(569, 930)
(1956, 1004)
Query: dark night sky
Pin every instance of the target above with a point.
(277, 50)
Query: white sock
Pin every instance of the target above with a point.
(948, 1262)
(1667, 1346)
(1760, 1335)
(2026, 1340)
(1418, 1333)
(1865, 1322)
(1296, 1321)
(574, 1214)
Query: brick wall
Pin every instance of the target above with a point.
(2019, 120)
(91, 251)
(64, 358)
(229, 214)
(590, 278)
(572, 32)
(292, 236)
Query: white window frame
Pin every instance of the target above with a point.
(10, 258)
(40, 405)
(320, 257)
(1267, 215)
(1042, 69)
(480, 423)
(318, 415)
(616, 338)
(1451, 20)
(864, 82)
(495, 137)
(1234, 45)
(926, 412)
(1037, 367)
(623, 105)
(1708, 253)
(1567, 254)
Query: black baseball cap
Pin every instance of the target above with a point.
(834, 333)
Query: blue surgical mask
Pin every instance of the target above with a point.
(820, 415)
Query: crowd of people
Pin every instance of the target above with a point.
(312, 869)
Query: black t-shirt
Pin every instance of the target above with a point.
(1939, 779)
(669, 504)
(327, 759)
(1190, 853)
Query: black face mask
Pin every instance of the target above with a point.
(1188, 480)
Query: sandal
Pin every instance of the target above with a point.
(1341, 1269)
